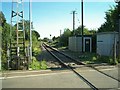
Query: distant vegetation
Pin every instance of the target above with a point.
(62, 41)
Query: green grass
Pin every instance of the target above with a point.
(90, 58)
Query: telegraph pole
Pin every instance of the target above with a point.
(73, 12)
(118, 1)
(114, 52)
(50, 36)
(30, 18)
(60, 32)
(82, 23)
(119, 33)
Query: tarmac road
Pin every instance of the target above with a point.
(60, 79)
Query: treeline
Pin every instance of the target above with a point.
(5, 37)
(63, 39)
(112, 20)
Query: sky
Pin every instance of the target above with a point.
(51, 17)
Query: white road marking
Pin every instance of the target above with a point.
(108, 69)
(46, 73)
(33, 75)
(26, 71)
(1, 78)
(99, 69)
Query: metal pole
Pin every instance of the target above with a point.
(119, 34)
(60, 32)
(50, 36)
(82, 23)
(30, 18)
(114, 52)
(17, 27)
(74, 22)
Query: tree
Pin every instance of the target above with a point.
(5, 28)
(36, 34)
(2, 19)
(111, 17)
(53, 38)
(65, 36)
(45, 39)
(78, 31)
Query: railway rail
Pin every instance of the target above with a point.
(80, 63)
(68, 65)
(71, 64)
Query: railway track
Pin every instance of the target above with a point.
(69, 63)
(51, 62)
(72, 64)
(80, 63)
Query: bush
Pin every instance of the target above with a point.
(106, 59)
(94, 58)
(118, 60)
(112, 62)
(103, 59)
(36, 65)
(4, 65)
(36, 51)
(43, 64)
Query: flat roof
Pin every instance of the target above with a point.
(84, 35)
(107, 33)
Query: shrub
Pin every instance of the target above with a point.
(118, 60)
(4, 65)
(43, 64)
(94, 58)
(112, 62)
(35, 65)
(36, 51)
(104, 59)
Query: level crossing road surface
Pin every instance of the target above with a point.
(110, 70)
(59, 79)
(51, 80)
